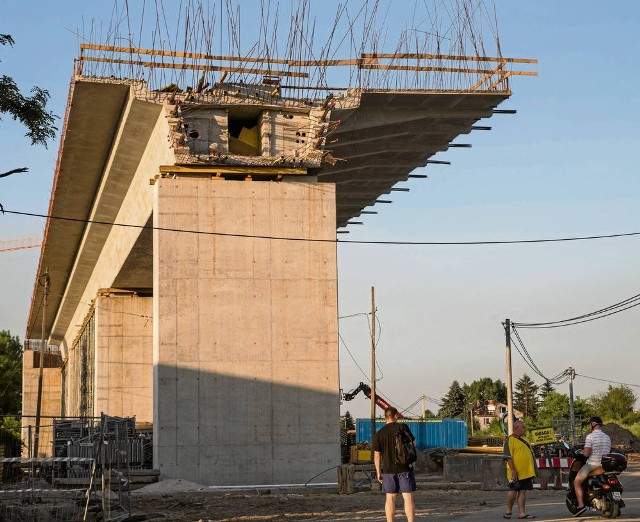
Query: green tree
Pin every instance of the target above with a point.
(10, 380)
(495, 429)
(485, 389)
(428, 414)
(29, 110)
(545, 389)
(347, 422)
(615, 404)
(557, 405)
(526, 396)
(454, 403)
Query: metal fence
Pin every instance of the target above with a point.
(87, 477)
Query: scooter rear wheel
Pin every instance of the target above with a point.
(611, 509)
(572, 506)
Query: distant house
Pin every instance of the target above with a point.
(485, 412)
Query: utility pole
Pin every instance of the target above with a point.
(507, 331)
(572, 416)
(36, 441)
(373, 367)
(424, 406)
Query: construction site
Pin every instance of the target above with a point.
(184, 322)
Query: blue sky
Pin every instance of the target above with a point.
(564, 165)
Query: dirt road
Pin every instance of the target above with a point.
(310, 504)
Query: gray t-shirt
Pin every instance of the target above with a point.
(600, 443)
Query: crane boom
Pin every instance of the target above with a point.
(20, 244)
(366, 389)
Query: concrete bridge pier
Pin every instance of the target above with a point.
(245, 346)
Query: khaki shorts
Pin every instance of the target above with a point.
(584, 471)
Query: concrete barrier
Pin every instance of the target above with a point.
(494, 475)
(472, 467)
(490, 471)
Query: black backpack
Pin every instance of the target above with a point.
(406, 453)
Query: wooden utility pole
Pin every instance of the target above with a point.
(572, 416)
(36, 441)
(373, 367)
(507, 332)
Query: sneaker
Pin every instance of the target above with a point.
(580, 511)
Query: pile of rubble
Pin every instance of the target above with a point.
(622, 440)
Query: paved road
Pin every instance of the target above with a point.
(555, 509)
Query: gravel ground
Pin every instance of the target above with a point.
(309, 504)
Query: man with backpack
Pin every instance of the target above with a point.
(393, 455)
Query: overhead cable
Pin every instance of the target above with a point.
(352, 357)
(344, 241)
(621, 306)
(560, 378)
(607, 380)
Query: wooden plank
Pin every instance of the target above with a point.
(217, 57)
(365, 58)
(196, 67)
(486, 77)
(421, 56)
(222, 169)
(441, 69)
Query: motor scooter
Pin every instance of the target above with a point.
(602, 489)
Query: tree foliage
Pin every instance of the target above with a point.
(545, 389)
(10, 383)
(31, 111)
(10, 374)
(347, 422)
(485, 389)
(557, 405)
(526, 396)
(615, 404)
(454, 403)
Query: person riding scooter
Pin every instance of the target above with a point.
(596, 444)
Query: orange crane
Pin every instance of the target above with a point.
(20, 244)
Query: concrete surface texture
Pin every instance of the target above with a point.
(51, 400)
(124, 357)
(245, 353)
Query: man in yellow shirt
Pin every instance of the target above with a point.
(520, 469)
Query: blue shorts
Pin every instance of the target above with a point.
(399, 482)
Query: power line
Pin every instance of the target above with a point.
(607, 380)
(560, 378)
(354, 315)
(345, 241)
(588, 320)
(352, 357)
(621, 306)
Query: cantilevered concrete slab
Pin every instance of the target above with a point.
(389, 134)
(107, 130)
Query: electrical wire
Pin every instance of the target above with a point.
(585, 320)
(560, 378)
(354, 315)
(344, 241)
(592, 316)
(352, 357)
(607, 380)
